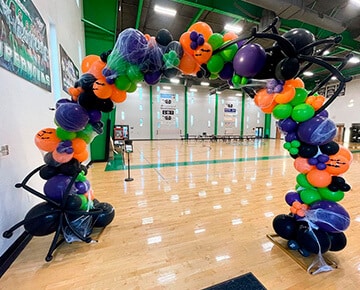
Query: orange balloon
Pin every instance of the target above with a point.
(88, 61)
(337, 164)
(230, 36)
(287, 94)
(102, 89)
(118, 96)
(345, 152)
(302, 165)
(147, 36)
(47, 140)
(269, 109)
(97, 68)
(82, 156)
(203, 53)
(188, 64)
(75, 92)
(263, 99)
(90, 194)
(185, 42)
(78, 144)
(203, 28)
(318, 178)
(296, 83)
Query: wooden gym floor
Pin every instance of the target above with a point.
(196, 214)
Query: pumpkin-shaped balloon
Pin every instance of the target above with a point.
(47, 140)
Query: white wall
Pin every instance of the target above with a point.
(345, 109)
(201, 113)
(24, 111)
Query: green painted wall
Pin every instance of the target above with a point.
(100, 36)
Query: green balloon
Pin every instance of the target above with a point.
(302, 181)
(87, 134)
(327, 194)
(282, 111)
(287, 145)
(293, 151)
(295, 143)
(132, 88)
(118, 64)
(215, 64)
(244, 81)
(309, 196)
(215, 40)
(236, 80)
(134, 74)
(228, 53)
(300, 97)
(65, 135)
(302, 112)
(122, 83)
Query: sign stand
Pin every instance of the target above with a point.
(128, 150)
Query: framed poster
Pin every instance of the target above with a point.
(69, 72)
(23, 42)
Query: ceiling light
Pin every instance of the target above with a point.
(238, 95)
(355, 2)
(308, 73)
(205, 84)
(354, 59)
(138, 85)
(164, 10)
(234, 28)
(174, 81)
(166, 88)
(333, 78)
(193, 90)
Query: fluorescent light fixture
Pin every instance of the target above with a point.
(138, 85)
(308, 73)
(193, 90)
(174, 81)
(355, 2)
(234, 28)
(354, 60)
(166, 88)
(219, 93)
(333, 78)
(164, 10)
(205, 84)
(238, 95)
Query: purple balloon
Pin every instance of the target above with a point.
(329, 216)
(82, 186)
(55, 187)
(132, 45)
(318, 130)
(227, 72)
(152, 78)
(94, 116)
(292, 196)
(249, 60)
(287, 125)
(291, 137)
(71, 117)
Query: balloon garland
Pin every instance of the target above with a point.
(316, 221)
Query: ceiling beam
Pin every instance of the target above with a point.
(138, 15)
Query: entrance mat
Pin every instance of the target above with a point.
(247, 281)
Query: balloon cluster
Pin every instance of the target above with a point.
(64, 147)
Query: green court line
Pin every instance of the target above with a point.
(118, 163)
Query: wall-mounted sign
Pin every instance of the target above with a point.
(23, 42)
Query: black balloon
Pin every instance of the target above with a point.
(285, 226)
(175, 46)
(163, 37)
(330, 148)
(70, 168)
(73, 201)
(307, 240)
(307, 150)
(106, 216)
(287, 68)
(48, 171)
(86, 82)
(42, 219)
(171, 72)
(300, 38)
(338, 241)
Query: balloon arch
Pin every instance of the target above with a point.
(316, 222)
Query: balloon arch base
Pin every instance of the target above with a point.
(64, 218)
(305, 263)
